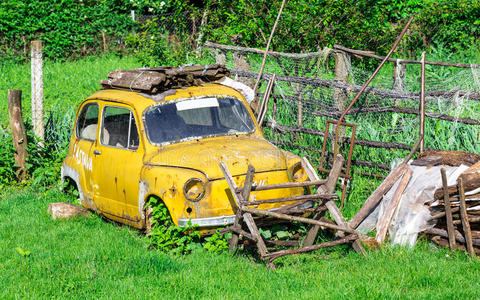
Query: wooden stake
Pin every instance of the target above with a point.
(37, 89)
(465, 223)
(18, 131)
(448, 211)
(422, 104)
(392, 207)
(104, 39)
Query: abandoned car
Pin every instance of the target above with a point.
(128, 146)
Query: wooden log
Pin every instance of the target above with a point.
(469, 185)
(262, 248)
(239, 231)
(435, 63)
(37, 89)
(448, 212)
(444, 243)
(19, 135)
(298, 219)
(453, 158)
(465, 223)
(377, 195)
(66, 210)
(293, 198)
(427, 161)
(347, 239)
(458, 237)
(391, 207)
(471, 219)
(284, 185)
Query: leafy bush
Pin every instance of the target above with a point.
(167, 237)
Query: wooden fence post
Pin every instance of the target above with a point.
(339, 95)
(18, 131)
(37, 89)
(242, 64)
(399, 70)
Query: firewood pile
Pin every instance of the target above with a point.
(160, 79)
(456, 211)
(437, 195)
(245, 229)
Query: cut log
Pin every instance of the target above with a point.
(60, 210)
(453, 158)
(469, 185)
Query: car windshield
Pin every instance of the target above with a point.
(197, 118)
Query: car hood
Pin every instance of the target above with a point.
(236, 152)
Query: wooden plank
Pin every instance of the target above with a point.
(448, 211)
(262, 248)
(465, 223)
(392, 207)
(377, 195)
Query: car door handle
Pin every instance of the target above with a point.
(96, 152)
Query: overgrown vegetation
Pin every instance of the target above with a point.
(74, 28)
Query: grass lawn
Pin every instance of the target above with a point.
(89, 257)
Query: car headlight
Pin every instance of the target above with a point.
(298, 173)
(194, 189)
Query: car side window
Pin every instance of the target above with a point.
(119, 128)
(87, 122)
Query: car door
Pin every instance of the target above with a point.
(118, 161)
(86, 135)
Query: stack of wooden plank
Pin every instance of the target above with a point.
(457, 212)
(159, 79)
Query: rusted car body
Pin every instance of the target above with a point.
(128, 146)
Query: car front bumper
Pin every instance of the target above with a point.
(224, 220)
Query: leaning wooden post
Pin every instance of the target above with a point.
(37, 89)
(464, 216)
(422, 103)
(448, 211)
(18, 131)
(339, 95)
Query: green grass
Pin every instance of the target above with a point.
(91, 258)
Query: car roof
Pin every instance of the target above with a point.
(140, 100)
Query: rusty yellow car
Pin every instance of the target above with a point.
(128, 146)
